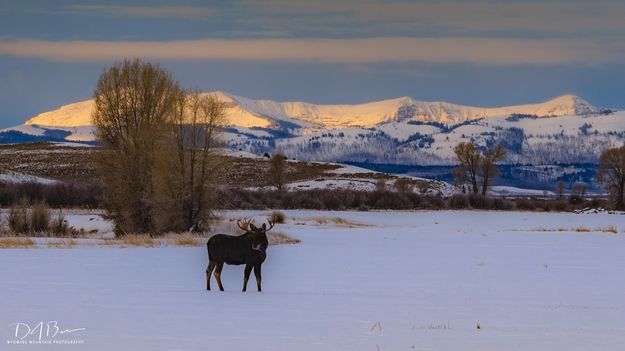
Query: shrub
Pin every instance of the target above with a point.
(59, 226)
(560, 205)
(56, 195)
(501, 204)
(12, 243)
(331, 201)
(435, 202)
(380, 185)
(39, 218)
(389, 200)
(479, 201)
(415, 199)
(278, 217)
(525, 204)
(458, 201)
(403, 185)
(18, 217)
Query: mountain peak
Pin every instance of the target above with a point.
(569, 104)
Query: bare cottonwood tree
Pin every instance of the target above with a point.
(477, 167)
(277, 171)
(611, 172)
(159, 165)
(469, 158)
(134, 103)
(578, 192)
(192, 162)
(560, 189)
(488, 165)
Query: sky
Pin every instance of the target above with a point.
(481, 53)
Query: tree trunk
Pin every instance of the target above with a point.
(476, 189)
(485, 184)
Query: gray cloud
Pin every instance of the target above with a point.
(143, 11)
(455, 17)
(487, 51)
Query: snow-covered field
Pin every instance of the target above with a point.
(357, 281)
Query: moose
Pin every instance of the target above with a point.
(249, 249)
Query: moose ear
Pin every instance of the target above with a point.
(264, 226)
(253, 227)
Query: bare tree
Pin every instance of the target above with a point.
(469, 158)
(192, 165)
(277, 170)
(488, 167)
(477, 167)
(134, 103)
(578, 191)
(460, 178)
(560, 189)
(611, 172)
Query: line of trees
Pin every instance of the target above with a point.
(158, 168)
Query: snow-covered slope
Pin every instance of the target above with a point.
(402, 130)
(72, 115)
(246, 112)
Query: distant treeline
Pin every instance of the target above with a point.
(79, 195)
(57, 195)
(324, 199)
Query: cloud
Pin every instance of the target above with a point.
(143, 11)
(487, 51)
(458, 17)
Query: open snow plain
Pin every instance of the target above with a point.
(366, 281)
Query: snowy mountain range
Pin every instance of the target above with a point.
(566, 129)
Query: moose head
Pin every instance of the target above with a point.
(249, 227)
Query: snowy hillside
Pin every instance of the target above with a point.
(244, 112)
(566, 129)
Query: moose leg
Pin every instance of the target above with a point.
(257, 274)
(220, 265)
(209, 271)
(246, 275)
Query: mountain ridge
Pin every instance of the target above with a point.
(405, 131)
(245, 112)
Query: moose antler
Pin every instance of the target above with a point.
(271, 223)
(244, 224)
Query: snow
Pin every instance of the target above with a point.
(589, 210)
(390, 281)
(89, 221)
(71, 144)
(84, 133)
(499, 190)
(349, 169)
(71, 115)
(245, 112)
(351, 183)
(403, 131)
(240, 153)
(567, 129)
(26, 129)
(16, 177)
